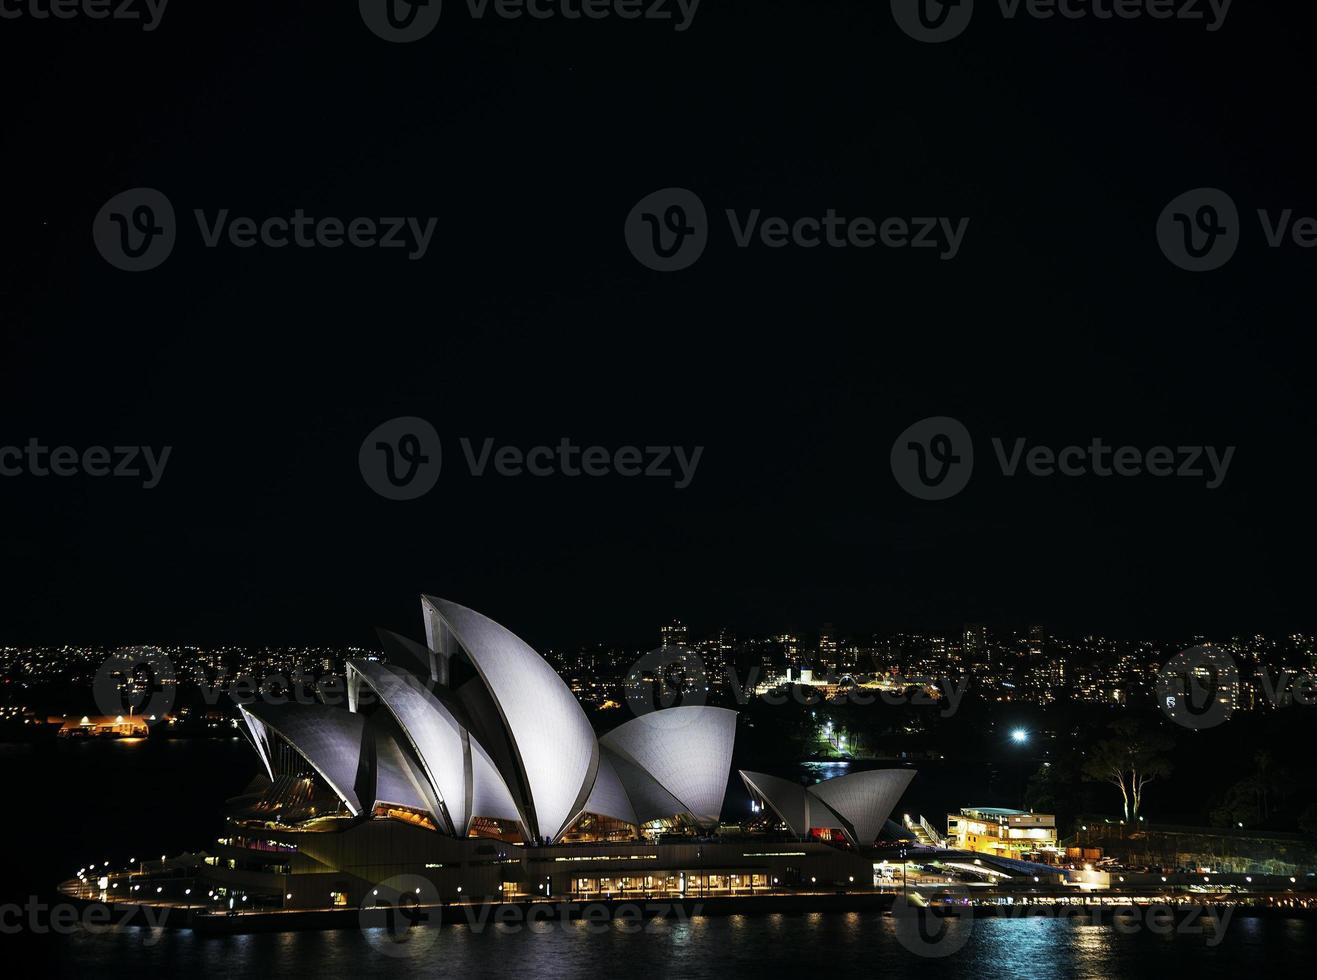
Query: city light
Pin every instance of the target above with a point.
(1019, 736)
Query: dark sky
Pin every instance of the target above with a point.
(529, 321)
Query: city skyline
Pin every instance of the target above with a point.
(1028, 667)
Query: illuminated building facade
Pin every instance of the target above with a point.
(1001, 832)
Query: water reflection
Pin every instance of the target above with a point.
(737, 946)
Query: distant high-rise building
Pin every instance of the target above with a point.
(1057, 673)
(790, 644)
(726, 645)
(673, 634)
(976, 644)
(1035, 642)
(827, 646)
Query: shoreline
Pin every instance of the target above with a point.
(637, 910)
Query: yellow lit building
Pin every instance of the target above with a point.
(118, 726)
(1001, 832)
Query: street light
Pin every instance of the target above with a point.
(1019, 736)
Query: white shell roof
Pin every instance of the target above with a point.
(787, 799)
(609, 797)
(399, 780)
(435, 736)
(330, 739)
(864, 799)
(490, 796)
(687, 750)
(549, 732)
(649, 800)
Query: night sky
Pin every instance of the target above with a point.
(529, 321)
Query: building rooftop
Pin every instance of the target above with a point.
(994, 811)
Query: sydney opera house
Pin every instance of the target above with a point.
(469, 762)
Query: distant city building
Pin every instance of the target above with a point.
(790, 644)
(673, 634)
(827, 646)
(1035, 642)
(975, 644)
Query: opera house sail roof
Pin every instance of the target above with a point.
(858, 804)
(475, 725)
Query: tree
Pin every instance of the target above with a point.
(1308, 820)
(1132, 759)
(1042, 793)
(1252, 800)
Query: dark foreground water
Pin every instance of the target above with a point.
(843, 944)
(108, 801)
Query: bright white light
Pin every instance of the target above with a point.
(1019, 736)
